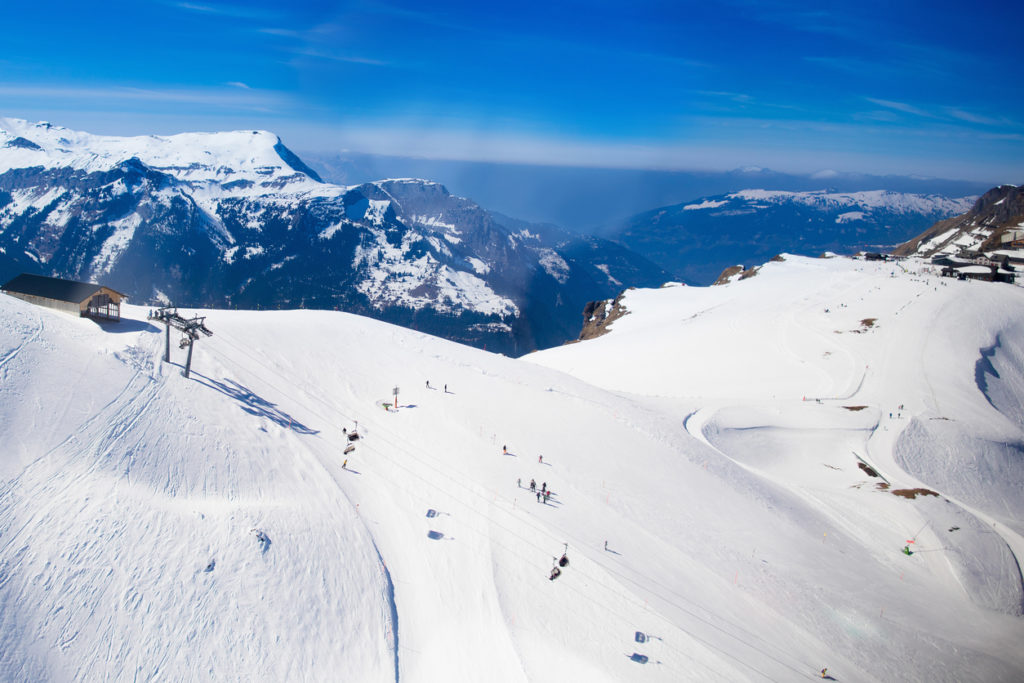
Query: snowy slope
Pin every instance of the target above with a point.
(742, 535)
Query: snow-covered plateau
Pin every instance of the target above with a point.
(818, 467)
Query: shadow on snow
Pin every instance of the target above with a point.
(254, 404)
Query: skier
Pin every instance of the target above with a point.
(504, 449)
(344, 464)
(538, 496)
(533, 485)
(824, 672)
(446, 388)
(547, 494)
(540, 458)
(519, 483)
(428, 384)
(544, 487)
(606, 546)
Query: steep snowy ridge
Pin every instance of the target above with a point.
(735, 472)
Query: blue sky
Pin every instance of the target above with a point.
(879, 87)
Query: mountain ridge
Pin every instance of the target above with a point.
(236, 220)
(981, 228)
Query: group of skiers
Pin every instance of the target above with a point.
(542, 495)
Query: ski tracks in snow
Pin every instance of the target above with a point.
(25, 341)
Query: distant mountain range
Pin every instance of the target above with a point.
(697, 240)
(598, 200)
(237, 220)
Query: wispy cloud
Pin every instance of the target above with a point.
(847, 64)
(336, 57)
(227, 11)
(737, 97)
(951, 115)
(902, 107)
(281, 32)
(238, 96)
(238, 84)
(971, 117)
(426, 18)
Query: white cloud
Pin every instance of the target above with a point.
(901, 106)
(971, 117)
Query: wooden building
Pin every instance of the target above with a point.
(77, 298)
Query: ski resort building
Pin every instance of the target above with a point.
(77, 298)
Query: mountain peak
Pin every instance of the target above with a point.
(196, 157)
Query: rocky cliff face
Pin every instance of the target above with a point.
(599, 315)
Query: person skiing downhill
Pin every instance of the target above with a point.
(533, 485)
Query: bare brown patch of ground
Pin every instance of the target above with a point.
(910, 494)
(868, 469)
(855, 408)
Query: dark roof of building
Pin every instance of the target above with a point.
(52, 288)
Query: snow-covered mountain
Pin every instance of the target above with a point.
(697, 240)
(994, 221)
(736, 472)
(237, 220)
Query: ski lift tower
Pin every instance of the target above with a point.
(191, 330)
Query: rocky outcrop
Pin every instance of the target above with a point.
(599, 315)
